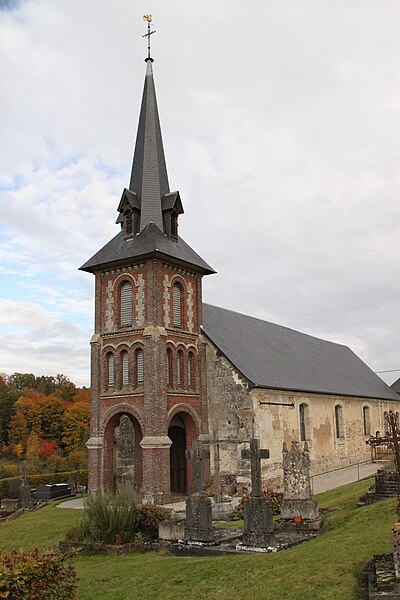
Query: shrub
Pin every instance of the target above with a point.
(109, 518)
(37, 575)
(150, 515)
(274, 497)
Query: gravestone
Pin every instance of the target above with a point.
(258, 522)
(198, 524)
(50, 491)
(297, 497)
(25, 492)
(125, 452)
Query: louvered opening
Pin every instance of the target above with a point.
(174, 225)
(125, 369)
(139, 367)
(126, 303)
(110, 370)
(190, 370)
(176, 308)
(169, 366)
(128, 220)
(179, 365)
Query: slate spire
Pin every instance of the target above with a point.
(149, 179)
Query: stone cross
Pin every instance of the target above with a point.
(255, 454)
(24, 473)
(197, 454)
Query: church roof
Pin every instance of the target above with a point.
(273, 356)
(150, 196)
(396, 386)
(149, 177)
(148, 242)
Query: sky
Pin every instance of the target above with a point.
(281, 128)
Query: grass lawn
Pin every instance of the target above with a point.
(328, 567)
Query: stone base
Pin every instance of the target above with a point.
(258, 523)
(171, 530)
(305, 526)
(381, 578)
(198, 525)
(306, 509)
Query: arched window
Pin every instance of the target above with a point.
(303, 418)
(190, 370)
(339, 430)
(177, 304)
(366, 423)
(169, 367)
(125, 368)
(397, 420)
(110, 370)
(139, 366)
(126, 303)
(385, 422)
(179, 368)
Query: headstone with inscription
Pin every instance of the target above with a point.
(297, 497)
(258, 522)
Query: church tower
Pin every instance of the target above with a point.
(148, 360)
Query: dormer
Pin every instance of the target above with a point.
(171, 208)
(129, 213)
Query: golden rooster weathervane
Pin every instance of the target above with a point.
(149, 19)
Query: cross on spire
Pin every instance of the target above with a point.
(149, 19)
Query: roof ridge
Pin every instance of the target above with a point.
(235, 312)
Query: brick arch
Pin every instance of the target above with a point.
(110, 422)
(192, 429)
(178, 279)
(118, 281)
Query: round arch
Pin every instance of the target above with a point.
(182, 430)
(130, 457)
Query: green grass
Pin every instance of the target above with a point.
(328, 567)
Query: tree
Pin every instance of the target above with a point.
(18, 431)
(32, 450)
(76, 426)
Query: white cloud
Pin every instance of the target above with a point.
(281, 124)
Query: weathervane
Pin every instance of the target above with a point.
(149, 19)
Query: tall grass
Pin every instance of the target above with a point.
(110, 518)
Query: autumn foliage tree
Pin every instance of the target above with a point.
(46, 419)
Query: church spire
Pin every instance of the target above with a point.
(149, 179)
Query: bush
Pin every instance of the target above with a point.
(37, 575)
(109, 518)
(40, 478)
(274, 497)
(150, 515)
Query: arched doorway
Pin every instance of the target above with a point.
(122, 453)
(177, 435)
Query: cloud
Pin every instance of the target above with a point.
(281, 123)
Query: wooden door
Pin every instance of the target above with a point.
(177, 459)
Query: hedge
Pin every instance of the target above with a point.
(42, 478)
(37, 575)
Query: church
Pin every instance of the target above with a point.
(168, 369)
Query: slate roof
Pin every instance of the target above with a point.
(396, 386)
(273, 356)
(149, 178)
(148, 242)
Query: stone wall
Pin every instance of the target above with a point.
(236, 411)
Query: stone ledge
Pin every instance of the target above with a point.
(156, 441)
